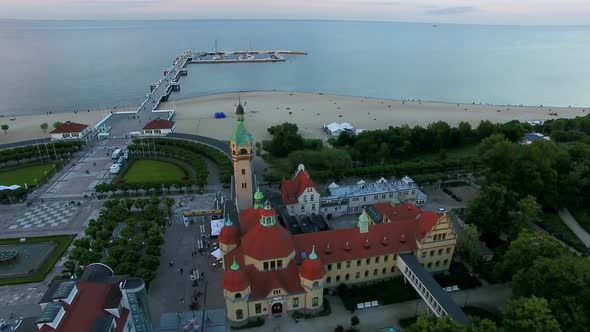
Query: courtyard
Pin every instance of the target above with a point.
(150, 171)
(29, 174)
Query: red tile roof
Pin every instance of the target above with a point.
(88, 304)
(249, 218)
(292, 189)
(312, 269)
(235, 280)
(267, 242)
(229, 234)
(69, 127)
(159, 124)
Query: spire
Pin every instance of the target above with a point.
(313, 254)
(235, 265)
(240, 111)
(363, 223)
(258, 198)
(228, 221)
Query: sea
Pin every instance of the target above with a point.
(63, 66)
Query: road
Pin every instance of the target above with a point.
(571, 222)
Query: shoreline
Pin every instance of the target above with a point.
(310, 111)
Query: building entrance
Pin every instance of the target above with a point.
(277, 308)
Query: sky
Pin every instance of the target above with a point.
(521, 12)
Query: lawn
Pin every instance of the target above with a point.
(62, 242)
(554, 225)
(25, 174)
(153, 171)
(582, 216)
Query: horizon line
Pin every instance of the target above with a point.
(283, 19)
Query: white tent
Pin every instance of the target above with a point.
(216, 253)
(333, 185)
(13, 187)
(346, 126)
(216, 226)
(361, 182)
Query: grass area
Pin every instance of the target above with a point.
(582, 216)
(62, 242)
(25, 174)
(150, 171)
(386, 292)
(554, 225)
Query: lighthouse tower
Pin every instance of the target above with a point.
(242, 151)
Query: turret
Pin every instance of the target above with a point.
(236, 290)
(258, 199)
(229, 237)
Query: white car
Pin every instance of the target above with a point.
(441, 210)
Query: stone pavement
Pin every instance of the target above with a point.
(569, 220)
(492, 298)
(46, 215)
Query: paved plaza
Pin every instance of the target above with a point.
(46, 215)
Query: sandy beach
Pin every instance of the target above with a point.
(27, 127)
(311, 111)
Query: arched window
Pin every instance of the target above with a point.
(429, 264)
(392, 269)
(366, 273)
(329, 279)
(375, 271)
(243, 151)
(384, 270)
(337, 278)
(315, 284)
(239, 314)
(347, 276)
(238, 296)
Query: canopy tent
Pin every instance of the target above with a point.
(216, 226)
(13, 187)
(216, 253)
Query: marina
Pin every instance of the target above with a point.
(242, 56)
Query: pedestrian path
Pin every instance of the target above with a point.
(46, 215)
(571, 222)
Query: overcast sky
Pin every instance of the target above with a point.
(562, 12)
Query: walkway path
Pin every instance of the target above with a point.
(492, 298)
(569, 220)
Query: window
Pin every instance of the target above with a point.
(315, 284)
(295, 302)
(383, 196)
(338, 266)
(392, 269)
(375, 271)
(347, 264)
(448, 250)
(329, 267)
(292, 208)
(315, 301)
(437, 263)
(429, 264)
(431, 253)
(358, 262)
(243, 171)
(272, 264)
(258, 308)
(305, 198)
(365, 198)
(279, 264)
(313, 206)
(368, 261)
(366, 273)
(276, 291)
(309, 189)
(445, 262)
(238, 296)
(311, 198)
(357, 275)
(424, 254)
(444, 236)
(376, 197)
(265, 266)
(377, 260)
(439, 252)
(244, 185)
(239, 314)
(384, 271)
(391, 195)
(329, 279)
(302, 207)
(385, 258)
(347, 276)
(337, 278)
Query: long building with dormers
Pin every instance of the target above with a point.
(270, 271)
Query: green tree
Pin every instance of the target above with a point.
(285, 139)
(44, 126)
(529, 314)
(57, 124)
(141, 203)
(169, 203)
(468, 244)
(485, 129)
(481, 325)
(434, 324)
(5, 128)
(499, 156)
(489, 211)
(129, 204)
(530, 212)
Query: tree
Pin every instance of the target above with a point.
(169, 203)
(529, 314)
(354, 321)
(57, 124)
(481, 325)
(5, 128)
(434, 324)
(339, 328)
(530, 212)
(141, 203)
(525, 249)
(485, 129)
(468, 244)
(489, 211)
(285, 139)
(44, 126)
(129, 204)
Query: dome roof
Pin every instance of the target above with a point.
(312, 268)
(235, 279)
(230, 234)
(240, 109)
(267, 240)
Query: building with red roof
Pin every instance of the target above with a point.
(70, 131)
(97, 301)
(300, 194)
(159, 127)
(273, 271)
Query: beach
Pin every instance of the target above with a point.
(27, 127)
(311, 111)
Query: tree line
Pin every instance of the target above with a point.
(39, 152)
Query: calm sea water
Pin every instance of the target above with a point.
(78, 65)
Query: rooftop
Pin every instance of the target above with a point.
(159, 124)
(69, 127)
(363, 188)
